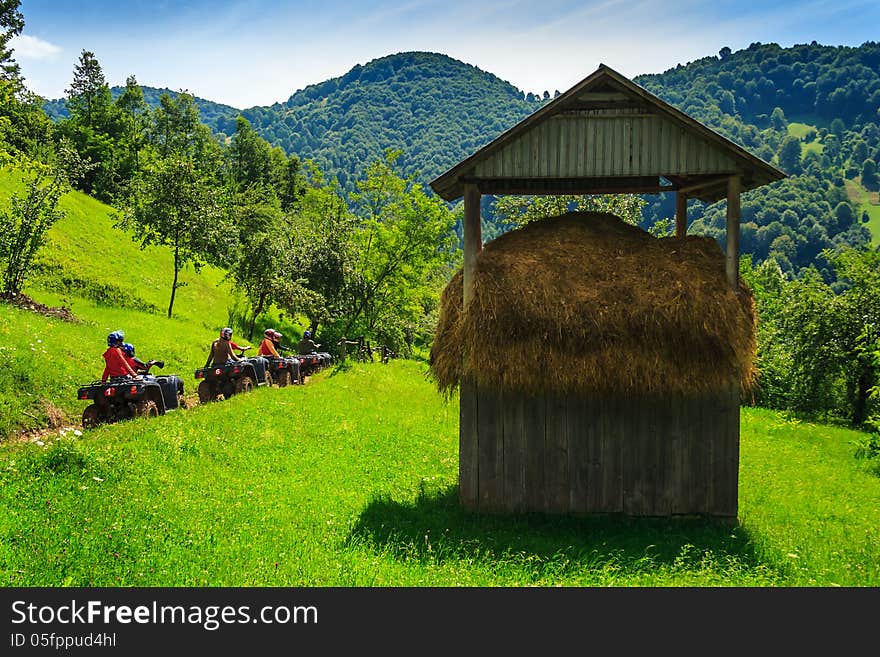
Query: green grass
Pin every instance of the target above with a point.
(868, 202)
(86, 256)
(799, 130)
(109, 283)
(351, 481)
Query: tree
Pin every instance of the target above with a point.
(405, 237)
(174, 204)
(514, 211)
(869, 175)
(790, 155)
(88, 96)
(176, 129)
(12, 23)
(23, 226)
(249, 156)
(778, 120)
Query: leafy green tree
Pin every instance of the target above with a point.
(11, 25)
(520, 210)
(324, 250)
(177, 130)
(778, 120)
(23, 226)
(174, 204)
(790, 155)
(24, 127)
(249, 156)
(405, 237)
(869, 175)
(134, 117)
(88, 97)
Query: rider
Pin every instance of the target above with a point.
(222, 349)
(136, 363)
(222, 353)
(268, 347)
(114, 358)
(307, 345)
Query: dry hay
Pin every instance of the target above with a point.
(586, 303)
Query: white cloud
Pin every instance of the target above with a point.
(29, 47)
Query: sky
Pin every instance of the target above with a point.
(258, 52)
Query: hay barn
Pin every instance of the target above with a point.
(599, 368)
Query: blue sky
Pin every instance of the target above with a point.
(257, 52)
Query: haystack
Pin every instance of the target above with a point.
(586, 303)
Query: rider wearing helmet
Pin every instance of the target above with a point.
(267, 346)
(114, 358)
(222, 349)
(307, 345)
(136, 363)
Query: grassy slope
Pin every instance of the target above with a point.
(94, 268)
(868, 202)
(799, 130)
(352, 481)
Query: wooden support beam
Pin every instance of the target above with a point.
(733, 206)
(681, 214)
(473, 238)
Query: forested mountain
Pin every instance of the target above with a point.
(217, 116)
(810, 109)
(434, 108)
(750, 96)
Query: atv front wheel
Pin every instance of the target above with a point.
(146, 408)
(91, 417)
(244, 384)
(283, 378)
(269, 379)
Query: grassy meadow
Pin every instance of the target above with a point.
(868, 202)
(352, 481)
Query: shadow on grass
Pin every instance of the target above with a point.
(434, 528)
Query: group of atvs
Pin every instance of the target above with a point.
(123, 397)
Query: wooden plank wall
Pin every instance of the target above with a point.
(606, 145)
(660, 456)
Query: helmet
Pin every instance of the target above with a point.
(269, 333)
(114, 338)
(128, 348)
(226, 333)
(276, 335)
(307, 334)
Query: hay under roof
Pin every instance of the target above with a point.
(589, 304)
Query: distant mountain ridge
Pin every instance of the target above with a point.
(219, 117)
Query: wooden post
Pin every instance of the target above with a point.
(681, 214)
(342, 344)
(732, 262)
(473, 239)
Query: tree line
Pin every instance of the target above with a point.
(371, 261)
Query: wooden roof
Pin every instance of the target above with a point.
(607, 135)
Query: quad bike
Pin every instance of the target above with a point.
(284, 371)
(309, 364)
(124, 397)
(233, 377)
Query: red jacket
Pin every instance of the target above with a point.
(116, 364)
(267, 348)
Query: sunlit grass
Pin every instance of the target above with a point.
(351, 481)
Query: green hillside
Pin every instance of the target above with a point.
(352, 481)
(100, 273)
(435, 108)
(220, 117)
